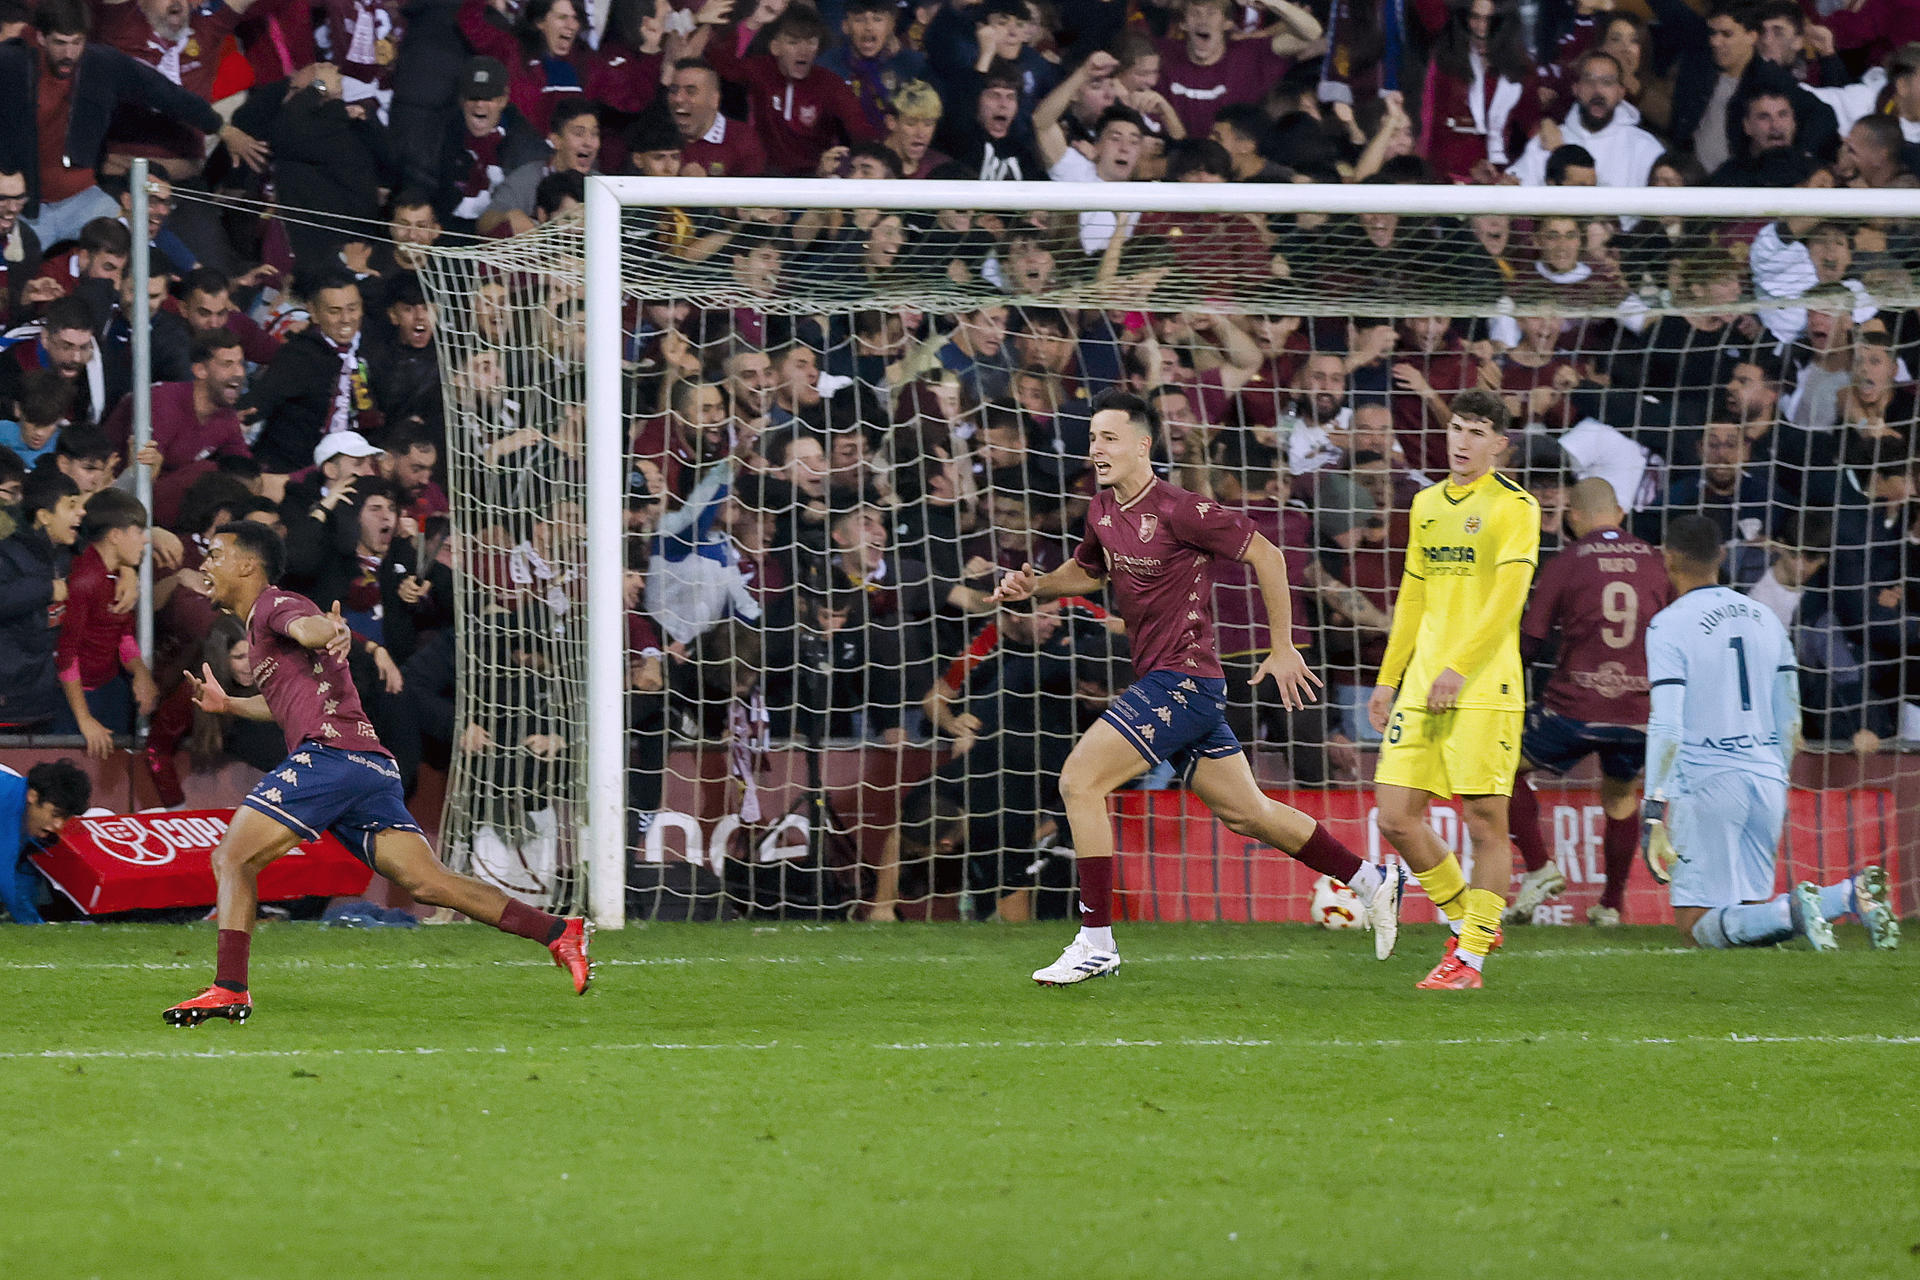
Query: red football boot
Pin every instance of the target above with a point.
(570, 951)
(1451, 974)
(214, 1002)
(1453, 943)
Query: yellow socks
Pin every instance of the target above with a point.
(1446, 888)
(1483, 921)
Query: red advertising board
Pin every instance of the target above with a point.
(145, 861)
(1176, 862)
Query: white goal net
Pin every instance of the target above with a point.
(825, 416)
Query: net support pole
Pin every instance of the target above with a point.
(140, 324)
(605, 845)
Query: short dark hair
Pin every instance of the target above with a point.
(66, 313)
(44, 488)
(109, 511)
(209, 496)
(1117, 114)
(1694, 539)
(556, 187)
(207, 342)
(1885, 132)
(1138, 411)
(1245, 119)
(45, 396)
(406, 434)
(204, 280)
(330, 278)
(1744, 12)
(1771, 9)
(12, 469)
(570, 109)
(405, 290)
(799, 22)
(1478, 402)
(1200, 155)
(105, 234)
(84, 442)
(1570, 156)
(412, 198)
(63, 18)
(260, 542)
(62, 784)
(881, 152)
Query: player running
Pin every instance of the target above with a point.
(1453, 656)
(1157, 542)
(336, 777)
(1598, 594)
(1726, 722)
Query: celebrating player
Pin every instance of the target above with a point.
(1158, 543)
(1598, 593)
(1454, 658)
(336, 777)
(1726, 721)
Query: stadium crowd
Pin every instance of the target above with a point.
(821, 498)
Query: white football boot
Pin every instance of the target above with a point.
(1079, 962)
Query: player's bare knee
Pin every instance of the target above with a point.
(1399, 829)
(1077, 784)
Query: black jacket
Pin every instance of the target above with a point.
(29, 688)
(23, 265)
(104, 79)
(294, 397)
(326, 163)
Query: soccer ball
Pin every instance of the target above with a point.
(1335, 906)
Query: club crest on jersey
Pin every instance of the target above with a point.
(1149, 524)
(1473, 524)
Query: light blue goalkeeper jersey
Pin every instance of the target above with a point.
(1725, 689)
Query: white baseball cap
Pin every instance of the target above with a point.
(335, 443)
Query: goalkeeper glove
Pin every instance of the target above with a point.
(1656, 845)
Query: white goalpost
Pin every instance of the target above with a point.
(610, 258)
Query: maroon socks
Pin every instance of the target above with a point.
(1328, 856)
(230, 966)
(1619, 841)
(531, 922)
(1523, 819)
(1096, 892)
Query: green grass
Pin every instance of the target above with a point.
(854, 1101)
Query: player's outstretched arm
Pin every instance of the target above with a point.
(211, 698)
(1070, 579)
(327, 631)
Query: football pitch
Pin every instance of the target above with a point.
(901, 1101)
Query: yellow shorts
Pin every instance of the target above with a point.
(1469, 751)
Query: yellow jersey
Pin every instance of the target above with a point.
(1461, 535)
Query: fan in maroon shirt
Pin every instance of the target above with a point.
(799, 107)
(1598, 595)
(336, 777)
(1156, 546)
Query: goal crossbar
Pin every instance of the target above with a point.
(603, 840)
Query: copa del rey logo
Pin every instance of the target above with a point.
(152, 841)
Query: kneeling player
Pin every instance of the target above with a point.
(1726, 717)
(336, 777)
(1597, 594)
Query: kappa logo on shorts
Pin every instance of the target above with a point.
(1166, 716)
(1146, 733)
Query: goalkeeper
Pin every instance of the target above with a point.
(1158, 543)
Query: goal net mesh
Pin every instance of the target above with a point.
(841, 427)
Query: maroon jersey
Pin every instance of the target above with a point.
(1600, 593)
(1158, 552)
(309, 691)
